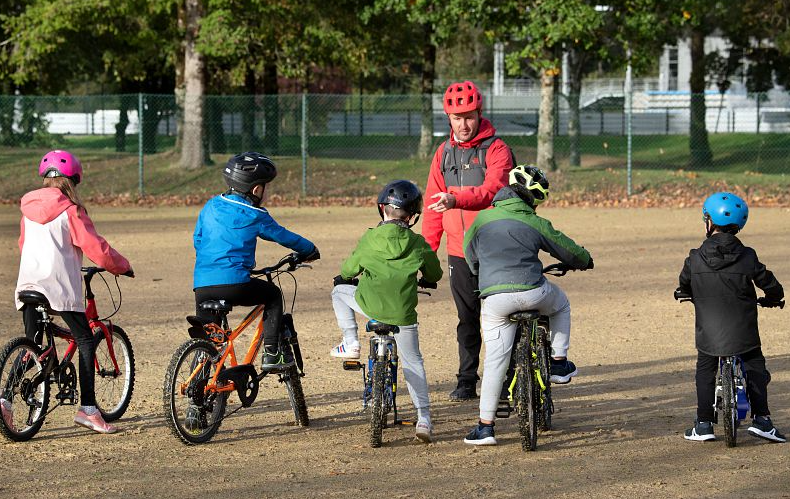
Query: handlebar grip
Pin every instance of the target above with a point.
(425, 284)
(680, 295)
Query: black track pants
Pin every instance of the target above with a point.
(251, 293)
(756, 383)
(463, 285)
(77, 323)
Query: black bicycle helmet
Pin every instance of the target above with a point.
(248, 169)
(401, 194)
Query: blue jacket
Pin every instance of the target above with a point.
(225, 237)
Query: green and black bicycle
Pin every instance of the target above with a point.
(529, 393)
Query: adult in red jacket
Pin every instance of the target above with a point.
(466, 172)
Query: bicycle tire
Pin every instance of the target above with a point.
(198, 409)
(293, 383)
(544, 361)
(526, 397)
(729, 404)
(13, 351)
(377, 413)
(112, 398)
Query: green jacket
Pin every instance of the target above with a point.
(388, 257)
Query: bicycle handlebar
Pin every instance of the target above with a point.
(292, 261)
(558, 269)
(761, 301)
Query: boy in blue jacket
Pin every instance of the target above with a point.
(225, 238)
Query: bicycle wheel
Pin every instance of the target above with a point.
(293, 383)
(114, 388)
(192, 414)
(24, 401)
(729, 405)
(377, 413)
(544, 361)
(527, 395)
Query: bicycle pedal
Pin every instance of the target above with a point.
(504, 410)
(352, 365)
(404, 422)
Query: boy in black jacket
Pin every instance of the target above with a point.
(720, 276)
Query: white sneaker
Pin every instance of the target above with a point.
(424, 431)
(343, 351)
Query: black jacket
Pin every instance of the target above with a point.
(720, 276)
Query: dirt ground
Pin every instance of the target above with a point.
(617, 429)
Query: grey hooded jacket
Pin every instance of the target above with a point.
(502, 246)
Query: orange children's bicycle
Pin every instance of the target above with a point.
(203, 373)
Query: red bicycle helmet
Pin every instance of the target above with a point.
(461, 98)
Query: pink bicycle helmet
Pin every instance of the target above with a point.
(59, 163)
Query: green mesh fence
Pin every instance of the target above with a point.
(348, 145)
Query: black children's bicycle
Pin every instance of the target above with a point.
(380, 380)
(731, 399)
(529, 389)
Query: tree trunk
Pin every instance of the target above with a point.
(248, 112)
(699, 147)
(424, 150)
(192, 150)
(546, 122)
(271, 105)
(180, 90)
(123, 122)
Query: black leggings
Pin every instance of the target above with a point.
(756, 383)
(77, 322)
(253, 292)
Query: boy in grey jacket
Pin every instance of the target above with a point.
(502, 248)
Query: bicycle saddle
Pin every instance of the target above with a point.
(29, 297)
(217, 306)
(526, 315)
(374, 326)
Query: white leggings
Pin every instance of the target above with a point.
(499, 332)
(407, 340)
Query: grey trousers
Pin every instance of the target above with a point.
(499, 333)
(407, 340)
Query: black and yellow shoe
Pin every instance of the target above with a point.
(274, 359)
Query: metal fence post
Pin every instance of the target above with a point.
(140, 143)
(629, 104)
(304, 144)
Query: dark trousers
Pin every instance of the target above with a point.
(251, 293)
(77, 323)
(463, 285)
(756, 383)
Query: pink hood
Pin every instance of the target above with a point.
(44, 205)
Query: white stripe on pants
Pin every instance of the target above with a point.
(407, 340)
(499, 333)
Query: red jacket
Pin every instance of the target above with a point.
(468, 200)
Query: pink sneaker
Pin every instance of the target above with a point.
(94, 422)
(8, 414)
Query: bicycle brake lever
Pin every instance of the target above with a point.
(304, 266)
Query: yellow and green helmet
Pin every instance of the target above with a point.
(530, 183)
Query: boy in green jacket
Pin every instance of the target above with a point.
(387, 259)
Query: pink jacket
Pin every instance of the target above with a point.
(54, 234)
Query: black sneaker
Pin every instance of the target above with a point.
(195, 419)
(481, 435)
(762, 427)
(464, 391)
(274, 360)
(562, 371)
(702, 431)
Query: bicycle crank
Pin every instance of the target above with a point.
(245, 379)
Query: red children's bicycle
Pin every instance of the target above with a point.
(28, 368)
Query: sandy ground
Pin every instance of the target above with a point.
(617, 429)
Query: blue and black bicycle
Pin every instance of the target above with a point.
(732, 399)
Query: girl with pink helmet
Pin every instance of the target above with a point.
(55, 233)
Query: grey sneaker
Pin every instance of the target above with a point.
(701, 432)
(424, 431)
(762, 427)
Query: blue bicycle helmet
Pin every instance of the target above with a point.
(726, 210)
